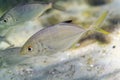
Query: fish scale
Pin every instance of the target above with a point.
(69, 35)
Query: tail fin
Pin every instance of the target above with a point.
(50, 6)
(96, 26)
(57, 7)
(45, 10)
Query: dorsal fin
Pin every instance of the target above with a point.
(67, 21)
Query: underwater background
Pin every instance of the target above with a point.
(96, 56)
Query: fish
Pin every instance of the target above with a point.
(58, 38)
(25, 12)
(21, 14)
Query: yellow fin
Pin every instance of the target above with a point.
(102, 31)
(100, 20)
(96, 26)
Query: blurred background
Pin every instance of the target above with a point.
(97, 58)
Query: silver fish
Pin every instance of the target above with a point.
(20, 14)
(23, 13)
(57, 38)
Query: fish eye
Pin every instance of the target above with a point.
(5, 20)
(29, 48)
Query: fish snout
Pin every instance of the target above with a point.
(22, 51)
